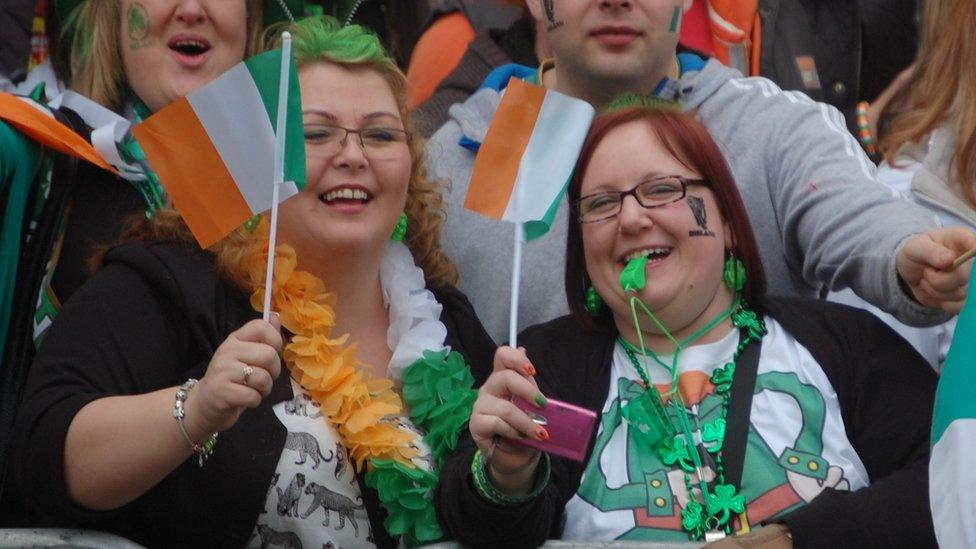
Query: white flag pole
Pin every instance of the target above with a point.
(279, 165)
(516, 282)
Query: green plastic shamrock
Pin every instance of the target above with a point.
(734, 274)
(714, 432)
(744, 318)
(693, 519)
(251, 224)
(400, 230)
(640, 414)
(726, 501)
(674, 450)
(632, 278)
(722, 377)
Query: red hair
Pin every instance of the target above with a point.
(689, 142)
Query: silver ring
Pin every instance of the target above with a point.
(247, 373)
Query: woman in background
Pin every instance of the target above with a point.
(928, 140)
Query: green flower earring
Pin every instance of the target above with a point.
(400, 231)
(251, 224)
(593, 301)
(735, 273)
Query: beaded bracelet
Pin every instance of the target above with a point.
(202, 450)
(487, 490)
(864, 129)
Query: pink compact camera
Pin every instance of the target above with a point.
(569, 428)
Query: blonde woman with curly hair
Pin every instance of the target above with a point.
(334, 417)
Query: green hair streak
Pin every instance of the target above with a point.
(325, 39)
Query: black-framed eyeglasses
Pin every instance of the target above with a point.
(378, 143)
(651, 193)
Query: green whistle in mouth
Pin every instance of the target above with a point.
(632, 279)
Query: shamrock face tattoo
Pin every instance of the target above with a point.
(137, 23)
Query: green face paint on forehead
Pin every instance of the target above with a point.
(632, 279)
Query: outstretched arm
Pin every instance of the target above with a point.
(840, 227)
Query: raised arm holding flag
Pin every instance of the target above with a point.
(524, 165)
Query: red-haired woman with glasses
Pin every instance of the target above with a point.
(720, 410)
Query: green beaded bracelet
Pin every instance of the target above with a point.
(487, 490)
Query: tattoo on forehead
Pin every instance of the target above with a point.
(551, 15)
(697, 206)
(137, 23)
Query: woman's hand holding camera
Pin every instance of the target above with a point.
(494, 418)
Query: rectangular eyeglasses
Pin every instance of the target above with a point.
(651, 193)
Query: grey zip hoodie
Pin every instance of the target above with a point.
(820, 215)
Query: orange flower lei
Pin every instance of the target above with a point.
(326, 366)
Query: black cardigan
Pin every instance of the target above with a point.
(886, 393)
(151, 318)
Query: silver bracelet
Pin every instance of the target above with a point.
(202, 450)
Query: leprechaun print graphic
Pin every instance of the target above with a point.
(794, 448)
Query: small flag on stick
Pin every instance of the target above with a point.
(952, 478)
(524, 165)
(214, 150)
(528, 155)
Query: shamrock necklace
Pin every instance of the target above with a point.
(649, 420)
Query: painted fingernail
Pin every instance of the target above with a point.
(542, 434)
(529, 368)
(541, 401)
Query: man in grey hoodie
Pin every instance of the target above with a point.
(819, 213)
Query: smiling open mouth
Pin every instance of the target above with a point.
(189, 47)
(652, 254)
(346, 196)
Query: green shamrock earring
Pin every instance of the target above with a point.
(593, 301)
(734, 274)
(400, 231)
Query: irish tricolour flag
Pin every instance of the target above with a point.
(952, 469)
(527, 157)
(214, 149)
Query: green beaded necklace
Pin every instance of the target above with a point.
(648, 418)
